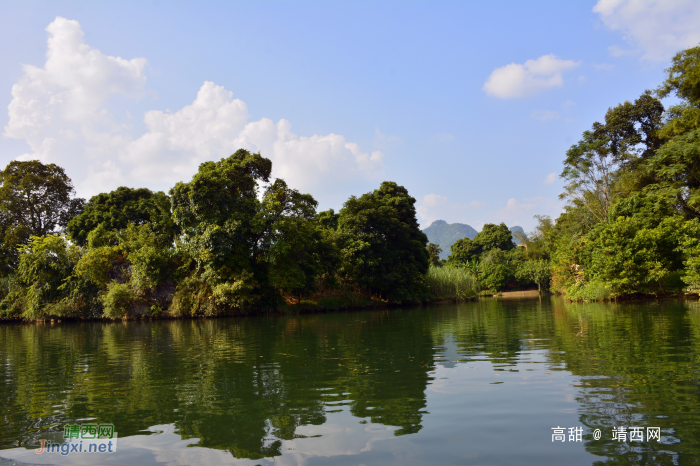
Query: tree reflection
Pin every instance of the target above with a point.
(241, 385)
(248, 385)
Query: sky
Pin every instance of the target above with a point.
(469, 105)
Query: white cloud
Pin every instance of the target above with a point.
(521, 212)
(435, 207)
(551, 178)
(544, 115)
(59, 108)
(656, 28)
(443, 137)
(62, 110)
(603, 66)
(530, 78)
(568, 104)
(385, 141)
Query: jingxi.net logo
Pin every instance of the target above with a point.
(82, 438)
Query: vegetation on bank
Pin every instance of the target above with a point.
(631, 225)
(230, 241)
(234, 241)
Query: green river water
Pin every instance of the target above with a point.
(480, 383)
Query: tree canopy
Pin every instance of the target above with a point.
(35, 200)
(495, 237)
(115, 210)
(383, 248)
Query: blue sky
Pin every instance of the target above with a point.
(470, 105)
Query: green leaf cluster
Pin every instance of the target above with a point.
(634, 190)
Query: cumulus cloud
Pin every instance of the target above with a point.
(655, 28)
(435, 207)
(216, 125)
(544, 115)
(59, 108)
(63, 112)
(551, 178)
(529, 78)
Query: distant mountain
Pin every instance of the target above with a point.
(446, 234)
(517, 229)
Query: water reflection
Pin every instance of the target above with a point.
(482, 380)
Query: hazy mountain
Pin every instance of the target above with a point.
(446, 234)
(517, 229)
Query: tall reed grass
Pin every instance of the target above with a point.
(451, 283)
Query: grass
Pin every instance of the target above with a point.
(451, 283)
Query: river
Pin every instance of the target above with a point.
(492, 382)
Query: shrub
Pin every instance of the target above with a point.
(117, 300)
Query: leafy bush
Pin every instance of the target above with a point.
(117, 300)
(590, 291)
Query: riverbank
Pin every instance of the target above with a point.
(317, 303)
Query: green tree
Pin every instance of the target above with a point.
(683, 80)
(539, 243)
(243, 249)
(497, 269)
(43, 265)
(494, 237)
(463, 251)
(115, 210)
(383, 249)
(216, 210)
(35, 200)
(536, 271)
(434, 253)
(328, 219)
(287, 239)
(601, 167)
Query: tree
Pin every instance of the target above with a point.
(595, 167)
(383, 249)
(496, 269)
(591, 173)
(463, 251)
(494, 237)
(434, 252)
(328, 219)
(683, 76)
(539, 241)
(244, 249)
(115, 210)
(44, 264)
(631, 130)
(683, 80)
(286, 239)
(35, 200)
(536, 271)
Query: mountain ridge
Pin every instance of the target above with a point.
(446, 234)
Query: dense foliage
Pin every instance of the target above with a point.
(631, 224)
(234, 241)
(382, 246)
(35, 200)
(230, 241)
